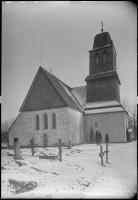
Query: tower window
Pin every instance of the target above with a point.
(97, 59)
(104, 57)
(37, 122)
(45, 121)
(54, 120)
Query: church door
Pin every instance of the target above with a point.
(45, 140)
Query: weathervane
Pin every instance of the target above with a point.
(102, 26)
(40, 57)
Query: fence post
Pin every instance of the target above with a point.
(60, 150)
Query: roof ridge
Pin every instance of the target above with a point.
(46, 70)
(64, 84)
(56, 78)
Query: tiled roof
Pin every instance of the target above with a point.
(102, 75)
(41, 87)
(64, 91)
(80, 94)
(42, 95)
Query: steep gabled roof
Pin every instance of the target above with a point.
(63, 90)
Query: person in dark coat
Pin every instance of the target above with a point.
(97, 137)
(107, 138)
(32, 141)
(100, 137)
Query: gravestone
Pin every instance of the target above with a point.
(17, 155)
(45, 140)
(70, 145)
(60, 150)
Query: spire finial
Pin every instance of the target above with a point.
(102, 26)
(40, 57)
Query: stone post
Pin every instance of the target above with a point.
(60, 150)
(17, 155)
(70, 145)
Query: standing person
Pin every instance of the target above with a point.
(100, 137)
(97, 137)
(107, 138)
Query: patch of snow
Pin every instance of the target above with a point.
(79, 175)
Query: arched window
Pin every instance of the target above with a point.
(97, 59)
(45, 121)
(104, 57)
(54, 120)
(37, 122)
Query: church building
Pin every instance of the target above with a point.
(53, 110)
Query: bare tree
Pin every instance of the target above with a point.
(7, 124)
(126, 104)
(4, 130)
(131, 108)
(134, 119)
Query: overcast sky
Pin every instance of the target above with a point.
(64, 33)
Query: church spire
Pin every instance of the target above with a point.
(102, 26)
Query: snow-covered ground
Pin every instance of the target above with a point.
(79, 175)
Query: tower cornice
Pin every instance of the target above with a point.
(99, 48)
(102, 75)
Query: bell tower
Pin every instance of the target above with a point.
(103, 109)
(103, 81)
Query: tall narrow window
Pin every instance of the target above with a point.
(54, 120)
(45, 121)
(37, 122)
(97, 59)
(104, 57)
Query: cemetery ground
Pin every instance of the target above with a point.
(79, 175)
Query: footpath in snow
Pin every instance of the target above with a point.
(79, 175)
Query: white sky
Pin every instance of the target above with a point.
(64, 33)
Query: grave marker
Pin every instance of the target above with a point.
(60, 150)
(17, 155)
(70, 146)
(106, 152)
(101, 154)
